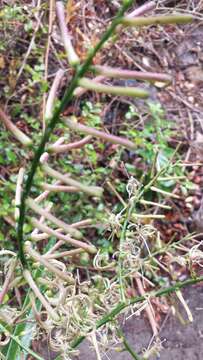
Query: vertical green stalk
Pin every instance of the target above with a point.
(80, 71)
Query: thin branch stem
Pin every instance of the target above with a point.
(19, 135)
(5, 286)
(66, 238)
(37, 292)
(18, 192)
(100, 134)
(117, 73)
(58, 188)
(47, 215)
(127, 346)
(90, 190)
(57, 149)
(113, 90)
(36, 256)
(157, 20)
(73, 58)
(52, 94)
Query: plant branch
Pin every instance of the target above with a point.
(100, 134)
(80, 72)
(157, 20)
(47, 215)
(33, 254)
(75, 145)
(113, 90)
(90, 190)
(19, 135)
(66, 238)
(127, 346)
(117, 73)
(73, 59)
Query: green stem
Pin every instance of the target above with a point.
(113, 90)
(157, 20)
(122, 305)
(25, 348)
(128, 347)
(80, 72)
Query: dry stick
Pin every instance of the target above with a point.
(63, 254)
(73, 59)
(75, 145)
(42, 236)
(18, 192)
(52, 94)
(39, 210)
(5, 286)
(90, 190)
(81, 91)
(41, 220)
(141, 10)
(76, 243)
(166, 193)
(35, 289)
(148, 306)
(46, 62)
(44, 157)
(146, 202)
(82, 223)
(122, 305)
(38, 237)
(113, 90)
(30, 47)
(39, 258)
(117, 73)
(55, 247)
(157, 20)
(100, 134)
(19, 135)
(58, 188)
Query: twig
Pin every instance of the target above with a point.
(58, 188)
(100, 134)
(66, 238)
(18, 192)
(113, 90)
(19, 135)
(46, 61)
(47, 215)
(75, 145)
(148, 307)
(157, 20)
(35, 289)
(71, 54)
(5, 286)
(39, 258)
(117, 73)
(32, 43)
(52, 94)
(128, 347)
(141, 10)
(90, 190)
